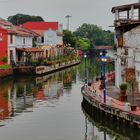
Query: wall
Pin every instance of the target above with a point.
(132, 38)
(50, 37)
(18, 42)
(3, 45)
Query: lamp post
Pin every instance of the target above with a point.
(85, 56)
(104, 60)
(101, 73)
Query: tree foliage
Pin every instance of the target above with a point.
(22, 18)
(69, 38)
(95, 35)
(83, 43)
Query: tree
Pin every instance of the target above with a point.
(95, 35)
(83, 43)
(22, 18)
(69, 38)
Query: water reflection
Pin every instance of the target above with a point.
(56, 97)
(23, 92)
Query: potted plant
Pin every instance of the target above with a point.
(123, 88)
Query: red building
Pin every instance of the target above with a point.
(3, 45)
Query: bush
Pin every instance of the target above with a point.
(123, 86)
(5, 67)
(35, 62)
(4, 59)
(45, 61)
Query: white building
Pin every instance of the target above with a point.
(51, 33)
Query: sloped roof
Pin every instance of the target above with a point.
(103, 47)
(5, 22)
(41, 25)
(30, 49)
(16, 29)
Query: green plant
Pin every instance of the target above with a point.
(123, 86)
(35, 62)
(45, 61)
(4, 59)
(5, 67)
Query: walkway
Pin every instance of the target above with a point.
(111, 97)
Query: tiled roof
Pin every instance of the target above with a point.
(30, 49)
(39, 32)
(103, 47)
(5, 22)
(41, 25)
(16, 29)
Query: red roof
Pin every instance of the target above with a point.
(41, 25)
(5, 22)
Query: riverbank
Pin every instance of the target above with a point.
(113, 108)
(43, 70)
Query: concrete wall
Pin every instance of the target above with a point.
(132, 38)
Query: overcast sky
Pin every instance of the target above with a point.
(82, 11)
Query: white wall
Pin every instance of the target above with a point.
(18, 41)
(60, 40)
(50, 37)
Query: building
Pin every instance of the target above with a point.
(108, 50)
(3, 45)
(51, 33)
(127, 33)
(18, 41)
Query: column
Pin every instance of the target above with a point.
(116, 15)
(132, 12)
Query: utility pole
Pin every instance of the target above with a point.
(67, 17)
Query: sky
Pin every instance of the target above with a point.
(96, 12)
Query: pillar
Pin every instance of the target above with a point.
(116, 15)
(132, 12)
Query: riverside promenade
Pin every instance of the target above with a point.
(111, 97)
(93, 100)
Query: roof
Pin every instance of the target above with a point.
(126, 7)
(103, 47)
(5, 22)
(30, 49)
(41, 25)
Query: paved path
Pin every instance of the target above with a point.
(112, 97)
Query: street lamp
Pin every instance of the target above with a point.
(85, 56)
(101, 65)
(104, 61)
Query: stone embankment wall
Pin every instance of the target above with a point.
(5, 73)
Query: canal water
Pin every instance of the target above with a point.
(49, 108)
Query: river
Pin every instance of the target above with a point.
(49, 108)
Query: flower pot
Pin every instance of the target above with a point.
(123, 97)
(123, 92)
(133, 107)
